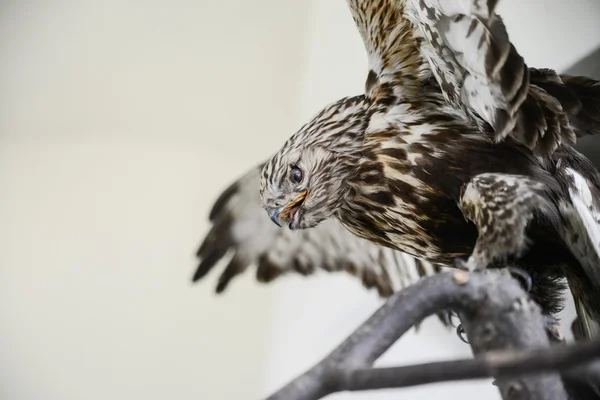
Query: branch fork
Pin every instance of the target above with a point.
(507, 333)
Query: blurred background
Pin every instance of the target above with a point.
(120, 123)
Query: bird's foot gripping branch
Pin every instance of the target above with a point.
(506, 331)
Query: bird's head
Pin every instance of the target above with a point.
(305, 181)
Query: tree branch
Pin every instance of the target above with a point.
(496, 314)
(500, 364)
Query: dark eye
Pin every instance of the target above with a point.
(296, 175)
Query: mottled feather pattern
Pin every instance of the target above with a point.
(415, 164)
(314, 144)
(412, 157)
(456, 150)
(393, 54)
(501, 206)
(387, 188)
(580, 229)
(242, 233)
(465, 47)
(579, 97)
(481, 72)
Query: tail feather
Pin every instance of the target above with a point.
(579, 98)
(584, 326)
(586, 120)
(581, 232)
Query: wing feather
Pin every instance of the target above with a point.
(395, 65)
(242, 231)
(579, 97)
(465, 47)
(581, 231)
(479, 69)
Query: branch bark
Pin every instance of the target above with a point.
(500, 364)
(497, 315)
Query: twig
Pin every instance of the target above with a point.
(496, 315)
(505, 364)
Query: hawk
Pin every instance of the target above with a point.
(457, 154)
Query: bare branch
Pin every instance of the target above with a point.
(503, 364)
(496, 314)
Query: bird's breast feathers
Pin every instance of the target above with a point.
(399, 197)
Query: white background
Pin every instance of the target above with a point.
(120, 123)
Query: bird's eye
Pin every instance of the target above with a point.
(296, 175)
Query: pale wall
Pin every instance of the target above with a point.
(120, 123)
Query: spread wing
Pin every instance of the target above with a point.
(395, 64)
(464, 45)
(242, 230)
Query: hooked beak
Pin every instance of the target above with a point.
(288, 212)
(275, 216)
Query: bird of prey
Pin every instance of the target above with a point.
(457, 154)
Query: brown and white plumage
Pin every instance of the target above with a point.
(456, 150)
(242, 232)
(464, 45)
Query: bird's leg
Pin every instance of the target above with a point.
(501, 206)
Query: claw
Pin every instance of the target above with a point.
(460, 331)
(523, 276)
(450, 316)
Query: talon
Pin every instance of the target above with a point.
(447, 318)
(460, 331)
(450, 315)
(523, 276)
(460, 263)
